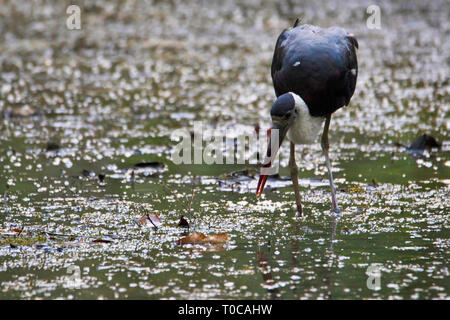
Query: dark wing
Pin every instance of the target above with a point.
(318, 64)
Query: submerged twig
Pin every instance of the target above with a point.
(132, 179)
(148, 217)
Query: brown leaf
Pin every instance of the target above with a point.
(220, 237)
(183, 222)
(101, 241)
(150, 218)
(199, 237)
(143, 220)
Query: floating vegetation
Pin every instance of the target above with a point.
(425, 142)
(199, 237)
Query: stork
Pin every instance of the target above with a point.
(314, 72)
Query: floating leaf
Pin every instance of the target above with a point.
(102, 240)
(24, 111)
(183, 222)
(152, 164)
(425, 142)
(148, 169)
(87, 173)
(220, 237)
(199, 237)
(150, 218)
(8, 233)
(52, 146)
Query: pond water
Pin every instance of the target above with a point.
(76, 104)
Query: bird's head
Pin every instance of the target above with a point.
(284, 112)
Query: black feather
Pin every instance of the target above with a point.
(282, 105)
(318, 64)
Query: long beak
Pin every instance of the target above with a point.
(275, 136)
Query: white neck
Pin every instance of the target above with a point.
(305, 128)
